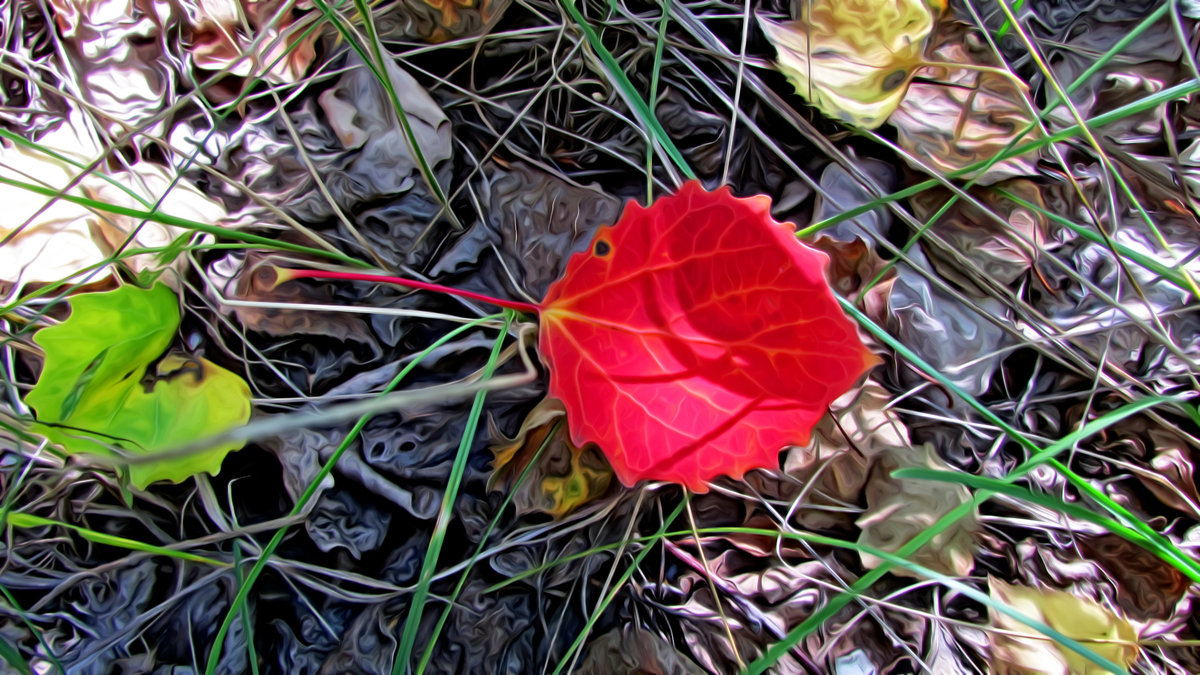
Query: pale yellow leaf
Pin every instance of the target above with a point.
(853, 59)
(1017, 648)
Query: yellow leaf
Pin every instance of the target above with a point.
(853, 59)
(1017, 648)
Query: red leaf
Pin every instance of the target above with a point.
(695, 338)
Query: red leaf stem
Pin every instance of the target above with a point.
(289, 274)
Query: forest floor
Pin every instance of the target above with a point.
(204, 468)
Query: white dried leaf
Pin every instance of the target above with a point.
(117, 48)
(53, 239)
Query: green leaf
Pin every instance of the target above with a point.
(104, 385)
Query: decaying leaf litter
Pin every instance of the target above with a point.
(1033, 311)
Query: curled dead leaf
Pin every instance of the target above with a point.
(438, 20)
(953, 117)
(564, 476)
(862, 421)
(361, 114)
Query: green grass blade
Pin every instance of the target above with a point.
(1097, 148)
(1160, 546)
(243, 592)
(1169, 273)
(897, 560)
(1092, 428)
(27, 520)
(1006, 26)
(183, 223)
(1016, 140)
(247, 621)
(612, 593)
(57, 156)
(628, 92)
(819, 617)
(1181, 90)
(46, 650)
(375, 63)
(462, 579)
(412, 621)
(655, 71)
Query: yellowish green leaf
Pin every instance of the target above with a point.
(103, 385)
(853, 59)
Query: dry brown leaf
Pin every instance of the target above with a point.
(462, 17)
(362, 116)
(1190, 160)
(853, 265)
(1000, 252)
(631, 649)
(853, 59)
(275, 48)
(1017, 648)
(1147, 587)
(953, 117)
(861, 421)
(831, 471)
(1177, 485)
(438, 20)
(900, 509)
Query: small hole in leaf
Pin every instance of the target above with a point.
(602, 248)
(894, 80)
